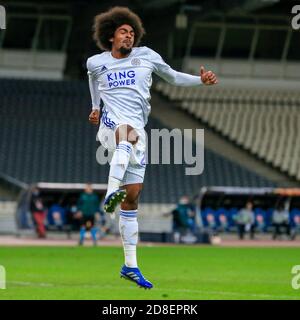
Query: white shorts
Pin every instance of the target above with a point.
(137, 163)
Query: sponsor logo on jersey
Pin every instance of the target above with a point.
(121, 78)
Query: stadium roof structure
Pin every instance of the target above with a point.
(198, 6)
(254, 191)
(70, 186)
(237, 190)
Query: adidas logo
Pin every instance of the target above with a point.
(103, 68)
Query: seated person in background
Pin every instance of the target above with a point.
(72, 217)
(296, 228)
(183, 218)
(223, 222)
(211, 221)
(280, 220)
(56, 216)
(260, 222)
(88, 209)
(245, 220)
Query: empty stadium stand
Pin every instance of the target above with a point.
(45, 136)
(7, 219)
(263, 121)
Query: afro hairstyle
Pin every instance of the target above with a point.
(106, 23)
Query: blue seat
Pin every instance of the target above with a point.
(261, 221)
(56, 216)
(269, 214)
(231, 213)
(208, 218)
(295, 218)
(221, 218)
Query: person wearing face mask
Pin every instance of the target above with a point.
(38, 212)
(183, 218)
(245, 220)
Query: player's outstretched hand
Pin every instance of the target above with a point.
(208, 77)
(94, 117)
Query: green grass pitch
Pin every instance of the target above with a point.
(177, 272)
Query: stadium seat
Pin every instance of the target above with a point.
(262, 121)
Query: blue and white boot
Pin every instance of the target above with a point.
(135, 275)
(113, 199)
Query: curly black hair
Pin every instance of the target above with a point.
(106, 23)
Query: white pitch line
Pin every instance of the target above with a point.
(222, 293)
(26, 283)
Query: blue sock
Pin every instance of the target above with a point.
(82, 234)
(94, 233)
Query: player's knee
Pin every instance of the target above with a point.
(126, 133)
(131, 200)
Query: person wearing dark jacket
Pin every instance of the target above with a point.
(183, 218)
(38, 212)
(88, 206)
(245, 220)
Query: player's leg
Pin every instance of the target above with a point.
(133, 192)
(128, 224)
(93, 230)
(126, 137)
(82, 233)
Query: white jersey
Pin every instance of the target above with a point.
(124, 84)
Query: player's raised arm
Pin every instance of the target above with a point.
(163, 70)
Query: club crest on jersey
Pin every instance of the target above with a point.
(136, 62)
(121, 78)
